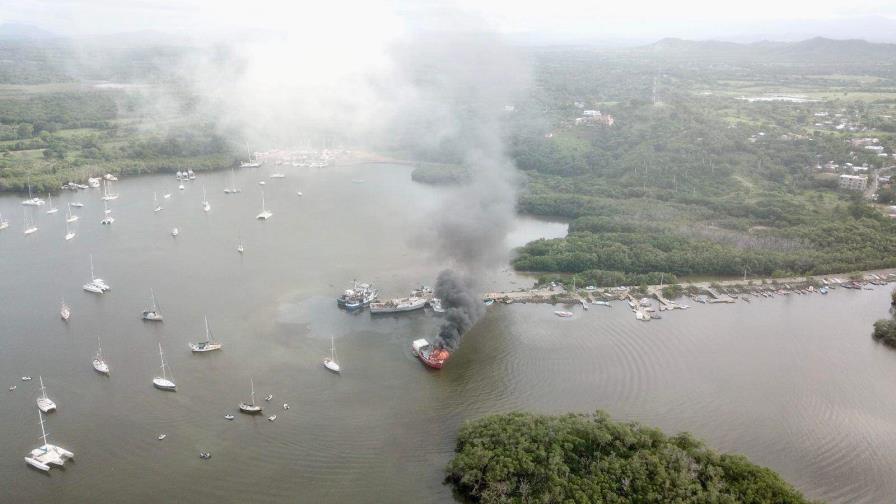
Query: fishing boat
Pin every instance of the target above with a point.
(52, 209)
(428, 354)
(162, 382)
(47, 454)
(32, 201)
(153, 314)
(69, 216)
(108, 195)
(99, 363)
(208, 345)
(265, 213)
(206, 206)
(398, 305)
(107, 214)
(65, 311)
(155, 202)
(359, 296)
(30, 228)
(69, 234)
(330, 362)
(250, 407)
(43, 402)
(563, 314)
(175, 232)
(3, 222)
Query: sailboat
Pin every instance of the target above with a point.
(32, 201)
(3, 223)
(162, 382)
(330, 362)
(232, 189)
(205, 204)
(265, 214)
(43, 402)
(250, 408)
(107, 214)
(155, 201)
(52, 209)
(239, 247)
(69, 234)
(65, 311)
(107, 191)
(95, 285)
(29, 226)
(208, 345)
(69, 217)
(251, 163)
(153, 314)
(99, 363)
(43, 456)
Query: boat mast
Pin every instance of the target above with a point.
(163, 362)
(92, 277)
(99, 347)
(332, 349)
(155, 307)
(43, 432)
(208, 338)
(42, 388)
(252, 384)
(262, 201)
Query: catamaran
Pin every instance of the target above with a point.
(265, 214)
(107, 214)
(162, 382)
(205, 204)
(153, 314)
(330, 362)
(29, 226)
(155, 201)
(250, 408)
(107, 191)
(99, 363)
(95, 285)
(65, 311)
(69, 217)
(52, 209)
(47, 454)
(32, 201)
(69, 234)
(232, 189)
(43, 402)
(208, 345)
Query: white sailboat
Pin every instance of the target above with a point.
(107, 214)
(65, 311)
(95, 285)
(32, 201)
(3, 222)
(205, 204)
(153, 314)
(251, 163)
(208, 345)
(265, 214)
(99, 363)
(250, 408)
(69, 234)
(330, 362)
(29, 225)
(43, 402)
(239, 247)
(108, 195)
(162, 382)
(47, 454)
(155, 201)
(70, 217)
(52, 209)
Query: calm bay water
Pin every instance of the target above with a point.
(796, 383)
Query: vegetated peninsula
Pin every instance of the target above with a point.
(521, 458)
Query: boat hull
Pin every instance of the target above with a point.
(163, 384)
(101, 367)
(249, 409)
(332, 365)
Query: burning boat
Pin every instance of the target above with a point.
(429, 355)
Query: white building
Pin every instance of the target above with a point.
(853, 182)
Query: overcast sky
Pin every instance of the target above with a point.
(556, 18)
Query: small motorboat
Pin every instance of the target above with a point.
(272, 418)
(162, 436)
(228, 417)
(205, 455)
(12, 388)
(269, 397)
(261, 182)
(181, 187)
(563, 314)
(166, 195)
(76, 204)
(489, 302)
(285, 406)
(26, 378)
(175, 232)
(298, 193)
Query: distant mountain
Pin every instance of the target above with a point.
(818, 49)
(17, 31)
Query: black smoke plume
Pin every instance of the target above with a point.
(462, 309)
